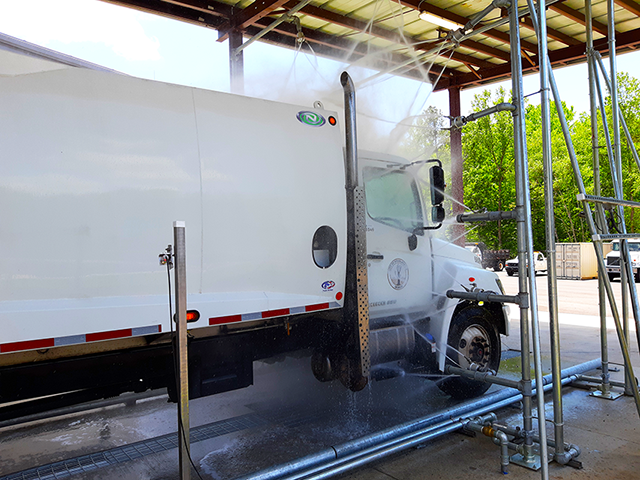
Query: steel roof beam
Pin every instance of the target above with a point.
(551, 33)
(341, 44)
(564, 56)
(578, 17)
(441, 12)
(249, 16)
(383, 33)
(220, 9)
(629, 5)
(284, 36)
(360, 26)
(182, 11)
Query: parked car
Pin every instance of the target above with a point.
(540, 264)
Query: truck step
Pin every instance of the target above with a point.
(606, 200)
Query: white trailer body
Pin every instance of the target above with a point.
(89, 203)
(95, 168)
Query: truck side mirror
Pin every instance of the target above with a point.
(436, 177)
(437, 214)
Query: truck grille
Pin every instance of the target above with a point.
(613, 261)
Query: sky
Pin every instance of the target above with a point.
(157, 48)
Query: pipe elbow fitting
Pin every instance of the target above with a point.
(570, 452)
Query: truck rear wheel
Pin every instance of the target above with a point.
(498, 267)
(473, 339)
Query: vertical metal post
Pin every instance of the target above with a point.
(550, 232)
(525, 258)
(601, 224)
(590, 220)
(625, 259)
(180, 280)
(236, 62)
(457, 163)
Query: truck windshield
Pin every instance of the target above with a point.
(633, 247)
(393, 199)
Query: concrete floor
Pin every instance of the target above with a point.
(304, 416)
(608, 432)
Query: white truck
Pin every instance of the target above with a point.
(95, 168)
(612, 259)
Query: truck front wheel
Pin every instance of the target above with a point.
(473, 339)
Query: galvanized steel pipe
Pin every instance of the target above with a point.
(355, 453)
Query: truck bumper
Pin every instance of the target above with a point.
(614, 271)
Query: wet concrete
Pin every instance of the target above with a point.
(608, 432)
(303, 416)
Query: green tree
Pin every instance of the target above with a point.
(489, 178)
(429, 137)
(569, 224)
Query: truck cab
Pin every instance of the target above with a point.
(612, 259)
(410, 270)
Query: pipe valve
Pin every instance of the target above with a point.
(166, 258)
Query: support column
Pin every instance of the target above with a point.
(236, 63)
(180, 277)
(457, 186)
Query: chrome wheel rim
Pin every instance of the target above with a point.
(474, 348)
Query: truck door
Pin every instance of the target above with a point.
(399, 252)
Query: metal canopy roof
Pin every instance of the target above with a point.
(389, 35)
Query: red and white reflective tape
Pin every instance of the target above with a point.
(283, 312)
(75, 339)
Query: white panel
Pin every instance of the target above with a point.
(269, 183)
(95, 169)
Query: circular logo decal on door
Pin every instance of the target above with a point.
(398, 274)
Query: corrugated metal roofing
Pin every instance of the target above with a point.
(394, 37)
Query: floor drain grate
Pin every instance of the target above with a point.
(133, 451)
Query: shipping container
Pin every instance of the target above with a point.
(576, 261)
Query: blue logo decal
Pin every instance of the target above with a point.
(311, 118)
(328, 286)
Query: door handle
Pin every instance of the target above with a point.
(375, 256)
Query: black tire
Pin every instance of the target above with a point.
(473, 337)
(636, 277)
(611, 276)
(510, 272)
(498, 267)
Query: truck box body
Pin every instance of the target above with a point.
(96, 166)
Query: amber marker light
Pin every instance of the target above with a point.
(192, 316)
(332, 121)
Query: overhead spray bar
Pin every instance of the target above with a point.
(284, 18)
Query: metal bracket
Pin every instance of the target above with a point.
(606, 396)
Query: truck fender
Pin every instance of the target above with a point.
(457, 276)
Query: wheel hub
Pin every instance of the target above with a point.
(474, 347)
